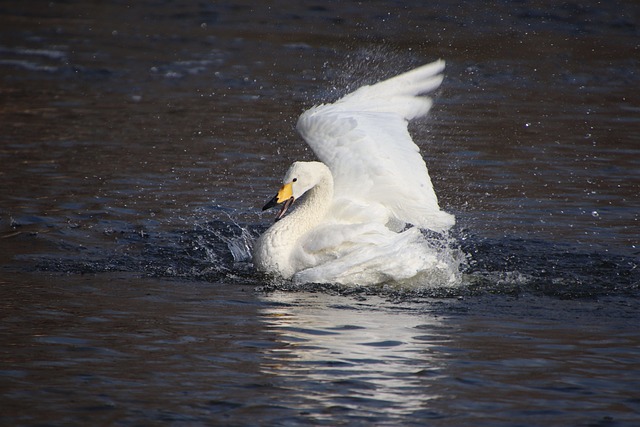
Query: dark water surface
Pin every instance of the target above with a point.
(138, 141)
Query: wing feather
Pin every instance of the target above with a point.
(364, 140)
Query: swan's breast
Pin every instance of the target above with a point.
(272, 251)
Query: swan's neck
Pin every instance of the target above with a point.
(275, 247)
(312, 207)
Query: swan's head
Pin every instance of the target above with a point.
(300, 178)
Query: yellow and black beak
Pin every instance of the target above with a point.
(285, 195)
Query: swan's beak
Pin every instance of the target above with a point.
(285, 195)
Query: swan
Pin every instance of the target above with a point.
(361, 207)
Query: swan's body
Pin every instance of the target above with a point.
(351, 225)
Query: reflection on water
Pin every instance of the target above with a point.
(445, 362)
(361, 359)
(124, 350)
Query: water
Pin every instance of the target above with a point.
(138, 142)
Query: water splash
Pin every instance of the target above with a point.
(240, 246)
(237, 239)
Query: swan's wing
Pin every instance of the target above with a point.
(363, 139)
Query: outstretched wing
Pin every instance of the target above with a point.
(363, 139)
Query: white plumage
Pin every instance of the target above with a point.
(371, 184)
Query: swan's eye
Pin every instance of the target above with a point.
(295, 179)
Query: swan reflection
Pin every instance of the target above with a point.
(348, 355)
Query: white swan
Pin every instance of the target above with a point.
(351, 226)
